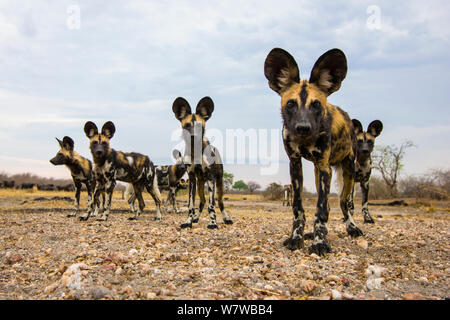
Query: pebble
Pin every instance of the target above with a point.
(412, 296)
(12, 258)
(335, 295)
(333, 278)
(374, 271)
(52, 287)
(362, 243)
(374, 283)
(308, 286)
(100, 292)
(150, 295)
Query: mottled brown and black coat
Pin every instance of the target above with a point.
(80, 168)
(111, 165)
(317, 131)
(364, 144)
(202, 160)
(169, 179)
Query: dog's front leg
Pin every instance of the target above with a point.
(295, 241)
(109, 189)
(92, 201)
(192, 190)
(320, 244)
(365, 202)
(77, 199)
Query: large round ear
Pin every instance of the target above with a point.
(90, 129)
(60, 142)
(68, 143)
(176, 154)
(281, 70)
(181, 108)
(357, 126)
(375, 128)
(329, 71)
(108, 129)
(205, 108)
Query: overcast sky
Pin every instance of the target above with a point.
(126, 61)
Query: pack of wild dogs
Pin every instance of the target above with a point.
(313, 129)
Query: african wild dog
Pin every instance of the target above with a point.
(364, 143)
(287, 196)
(169, 178)
(80, 169)
(317, 131)
(111, 165)
(202, 160)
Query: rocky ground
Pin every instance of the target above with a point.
(44, 255)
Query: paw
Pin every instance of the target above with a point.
(132, 218)
(320, 248)
(83, 218)
(195, 220)
(186, 225)
(102, 218)
(309, 236)
(70, 215)
(354, 231)
(228, 221)
(368, 219)
(293, 243)
(212, 226)
(157, 218)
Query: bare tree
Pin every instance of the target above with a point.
(253, 186)
(388, 160)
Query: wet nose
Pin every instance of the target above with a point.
(98, 153)
(365, 151)
(303, 128)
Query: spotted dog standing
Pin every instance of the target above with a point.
(80, 169)
(287, 195)
(202, 160)
(364, 143)
(317, 131)
(111, 165)
(169, 179)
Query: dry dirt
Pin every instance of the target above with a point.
(44, 255)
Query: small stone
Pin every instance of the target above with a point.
(100, 292)
(347, 296)
(132, 252)
(49, 289)
(334, 278)
(308, 286)
(128, 290)
(412, 296)
(150, 295)
(336, 295)
(423, 280)
(12, 258)
(374, 283)
(362, 243)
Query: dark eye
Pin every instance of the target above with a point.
(95, 142)
(360, 141)
(316, 106)
(104, 143)
(290, 105)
